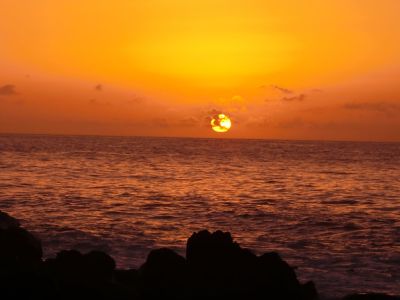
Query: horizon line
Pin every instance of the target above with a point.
(202, 138)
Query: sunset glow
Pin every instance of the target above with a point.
(288, 69)
(200, 149)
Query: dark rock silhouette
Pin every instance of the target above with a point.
(164, 275)
(221, 268)
(6, 221)
(77, 275)
(20, 259)
(371, 296)
(215, 267)
(73, 267)
(19, 248)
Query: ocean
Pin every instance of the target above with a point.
(332, 209)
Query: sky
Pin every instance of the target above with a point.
(288, 69)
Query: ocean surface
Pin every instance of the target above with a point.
(332, 209)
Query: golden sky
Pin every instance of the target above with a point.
(288, 69)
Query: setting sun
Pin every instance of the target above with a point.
(221, 123)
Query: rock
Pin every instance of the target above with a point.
(99, 266)
(206, 247)
(371, 296)
(20, 260)
(6, 221)
(127, 278)
(72, 267)
(66, 268)
(213, 254)
(216, 268)
(277, 273)
(164, 274)
(309, 291)
(79, 276)
(220, 268)
(19, 248)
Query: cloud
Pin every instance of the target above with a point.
(213, 112)
(294, 98)
(282, 89)
(381, 107)
(300, 97)
(284, 94)
(136, 100)
(98, 87)
(7, 90)
(188, 122)
(207, 115)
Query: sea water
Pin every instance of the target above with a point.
(331, 209)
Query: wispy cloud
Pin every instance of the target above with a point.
(282, 89)
(300, 97)
(381, 107)
(284, 94)
(8, 90)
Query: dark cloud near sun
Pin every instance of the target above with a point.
(98, 87)
(282, 89)
(212, 112)
(300, 97)
(293, 98)
(8, 90)
(285, 95)
(205, 117)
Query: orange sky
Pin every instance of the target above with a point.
(288, 69)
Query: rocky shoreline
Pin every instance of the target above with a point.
(215, 267)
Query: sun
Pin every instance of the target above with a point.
(221, 123)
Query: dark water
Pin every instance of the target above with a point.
(330, 208)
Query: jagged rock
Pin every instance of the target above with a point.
(127, 278)
(164, 274)
(6, 221)
(72, 267)
(99, 266)
(371, 296)
(216, 268)
(65, 268)
(19, 248)
(209, 248)
(221, 268)
(88, 276)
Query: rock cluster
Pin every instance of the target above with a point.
(215, 267)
